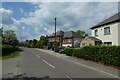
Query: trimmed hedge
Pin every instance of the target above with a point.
(8, 49)
(105, 54)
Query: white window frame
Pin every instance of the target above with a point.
(107, 32)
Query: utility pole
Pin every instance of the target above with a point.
(21, 39)
(55, 37)
(60, 39)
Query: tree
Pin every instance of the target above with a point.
(1, 32)
(1, 36)
(82, 33)
(34, 42)
(10, 37)
(43, 40)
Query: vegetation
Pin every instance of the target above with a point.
(14, 54)
(9, 37)
(35, 43)
(105, 54)
(82, 33)
(8, 50)
(9, 44)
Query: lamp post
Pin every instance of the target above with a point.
(55, 36)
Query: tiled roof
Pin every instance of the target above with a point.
(58, 33)
(71, 34)
(112, 19)
(94, 39)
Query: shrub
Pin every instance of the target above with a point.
(8, 49)
(45, 47)
(68, 51)
(104, 54)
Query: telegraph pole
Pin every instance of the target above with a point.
(21, 39)
(55, 36)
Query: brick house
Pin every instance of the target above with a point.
(51, 38)
(70, 38)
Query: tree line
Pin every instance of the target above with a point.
(35, 43)
(9, 37)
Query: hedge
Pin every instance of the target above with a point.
(105, 54)
(8, 49)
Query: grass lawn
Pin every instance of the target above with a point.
(15, 54)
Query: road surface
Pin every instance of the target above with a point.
(35, 63)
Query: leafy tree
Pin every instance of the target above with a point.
(10, 37)
(1, 36)
(82, 33)
(30, 41)
(34, 42)
(1, 32)
(43, 40)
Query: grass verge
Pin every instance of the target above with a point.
(14, 54)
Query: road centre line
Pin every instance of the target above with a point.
(69, 77)
(48, 64)
(38, 56)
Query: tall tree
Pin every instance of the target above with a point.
(10, 37)
(43, 40)
(1, 32)
(82, 33)
(34, 42)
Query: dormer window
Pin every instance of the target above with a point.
(96, 32)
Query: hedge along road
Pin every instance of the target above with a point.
(35, 63)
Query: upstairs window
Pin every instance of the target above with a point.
(107, 30)
(96, 32)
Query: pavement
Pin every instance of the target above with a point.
(39, 63)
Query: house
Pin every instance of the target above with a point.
(51, 38)
(108, 30)
(70, 39)
(87, 41)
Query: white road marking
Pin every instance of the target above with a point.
(95, 69)
(48, 64)
(69, 78)
(38, 56)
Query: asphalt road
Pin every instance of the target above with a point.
(38, 64)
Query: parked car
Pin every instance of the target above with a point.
(61, 50)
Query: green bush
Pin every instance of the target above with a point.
(45, 47)
(105, 54)
(68, 51)
(8, 49)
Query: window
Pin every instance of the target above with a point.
(96, 32)
(69, 40)
(83, 44)
(90, 44)
(108, 43)
(107, 30)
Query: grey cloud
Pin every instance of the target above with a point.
(6, 16)
(70, 16)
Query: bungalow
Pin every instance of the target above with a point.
(108, 30)
(70, 39)
(90, 41)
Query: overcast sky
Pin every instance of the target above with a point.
(30, 20)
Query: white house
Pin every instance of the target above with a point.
(108, 30)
